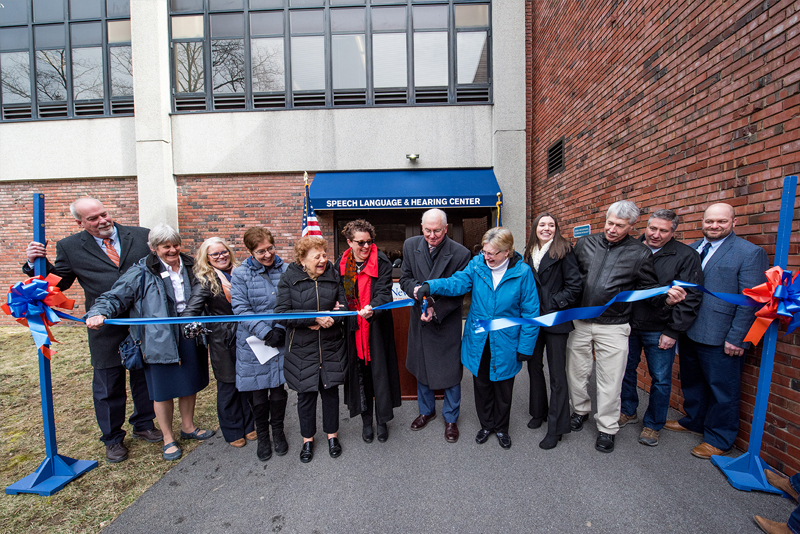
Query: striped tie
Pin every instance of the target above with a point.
(112, 254)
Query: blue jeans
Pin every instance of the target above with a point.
(451, 408)
(659, 365)
(794, 519)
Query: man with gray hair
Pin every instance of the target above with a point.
(656, 330)
(610, 262)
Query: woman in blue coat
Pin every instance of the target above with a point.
(502, 285)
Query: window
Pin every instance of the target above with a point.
(555, 158)
(261, 54)
(65, 58)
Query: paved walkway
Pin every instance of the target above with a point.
(416, 482)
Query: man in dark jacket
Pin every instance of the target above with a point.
(97, 257)
(656, 330)
(434, 348)
(609, 262)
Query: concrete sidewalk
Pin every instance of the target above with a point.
(416, 482)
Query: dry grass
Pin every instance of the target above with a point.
(95, 499)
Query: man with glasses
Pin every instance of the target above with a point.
(434, 347)
(97, 257)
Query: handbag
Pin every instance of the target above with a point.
(130, 350)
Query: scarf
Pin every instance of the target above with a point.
(225, 282)
(356, 284)
(538, 253)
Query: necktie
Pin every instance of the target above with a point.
(704, 252)
(112, 254)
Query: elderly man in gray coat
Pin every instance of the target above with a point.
(434, 347)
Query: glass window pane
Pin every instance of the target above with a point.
(121, 61)
(189, 68)
(348, 20)
(13, 38)
(389, 18)
(472, 16)
(473, 65)
(118, 8)
(228, 25)
(430, 59)
(51, 75)
(15, 81)
(87, 33)
(267, 62)
(48, 10)
(263, 4)
(187, 27)
(48, 36)
(218, 5)
(346, 2)
(15, 12)
(119, 31)
(85, 9)
(308, 63)
(301, 3)
(306, 21)
(227, 65)
(87, 73)
(180, 6)
(430, 17)
(389, 63)
(349, 55)
(267, 23)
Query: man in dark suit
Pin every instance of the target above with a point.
(97, 257)
(712, 350)
(434, 346)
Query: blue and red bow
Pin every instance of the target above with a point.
(780, 295)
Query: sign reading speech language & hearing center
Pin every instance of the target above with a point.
(407, 202)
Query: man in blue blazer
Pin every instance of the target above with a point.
(712, 350)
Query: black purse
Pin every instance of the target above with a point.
(130, 350)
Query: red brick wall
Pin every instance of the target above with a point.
(675, 104)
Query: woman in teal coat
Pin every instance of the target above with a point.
(502, 285)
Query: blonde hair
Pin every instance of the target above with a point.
(305, 244)
(205, 271)
(500, 237)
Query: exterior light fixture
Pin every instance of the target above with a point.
(412, 157)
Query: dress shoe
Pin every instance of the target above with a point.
(482, 436)
(674, 426)
(241, 442)
(116, 453)
(383, 433)
(605, 442)
(422, 421)
(252, 436)
(504, 440)
(367, 433)
(450, 432)
(576, 421)
(706, 451)
(334, 447)
(536, 422)
(549, 442)
(153, 435)
(771, 527)
(782, 483)
(307, 452)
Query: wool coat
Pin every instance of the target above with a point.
(312, 356)
(254, 289)
(434, 348)
(559, 285)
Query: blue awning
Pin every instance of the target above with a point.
(450, 188)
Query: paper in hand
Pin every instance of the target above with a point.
(263, 352)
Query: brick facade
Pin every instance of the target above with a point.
(675, 104)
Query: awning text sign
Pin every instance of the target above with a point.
(407, 202)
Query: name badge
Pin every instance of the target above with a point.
(164, 274)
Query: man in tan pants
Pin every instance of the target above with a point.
(610, 262)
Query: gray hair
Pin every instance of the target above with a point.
(73, 208)
(435, 211)
(666, 215)
(624, 209)
(501, 238)
(163, 233)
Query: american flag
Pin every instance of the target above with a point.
(310, 225)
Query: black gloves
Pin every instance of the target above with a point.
(423, 291)
(193, 330)
(524, 357)
(275, 337)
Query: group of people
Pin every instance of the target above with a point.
(130, 271)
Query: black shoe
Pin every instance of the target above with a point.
(367, 433)
(307, 452)
(264, 451)
(504, 439)
(605, 442)
(549, 442)
(334, 447)
(383, 433)
(279, 441)
(482, 436)
(116, 452)
(536, 422)
(576, 421)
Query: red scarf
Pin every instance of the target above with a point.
(357, 290)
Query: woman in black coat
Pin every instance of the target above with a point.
(373, 384)
(558, 282)
(315, 360)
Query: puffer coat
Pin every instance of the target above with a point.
(254, 289)
(312, 356)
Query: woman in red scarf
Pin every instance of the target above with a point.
(374, 379)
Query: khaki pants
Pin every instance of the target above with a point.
(610, 344)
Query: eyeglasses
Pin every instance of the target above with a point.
(215, 255)
(492, 255)
(263, 252)
(366, 243)
(434, 231)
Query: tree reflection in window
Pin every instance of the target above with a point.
(121, 62)
(227, 65)
(87, 73)
(189, 67)
(15, 77)
(266, 58)
(51, 75)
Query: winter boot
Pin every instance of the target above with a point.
(261, 416)
(277, 410)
